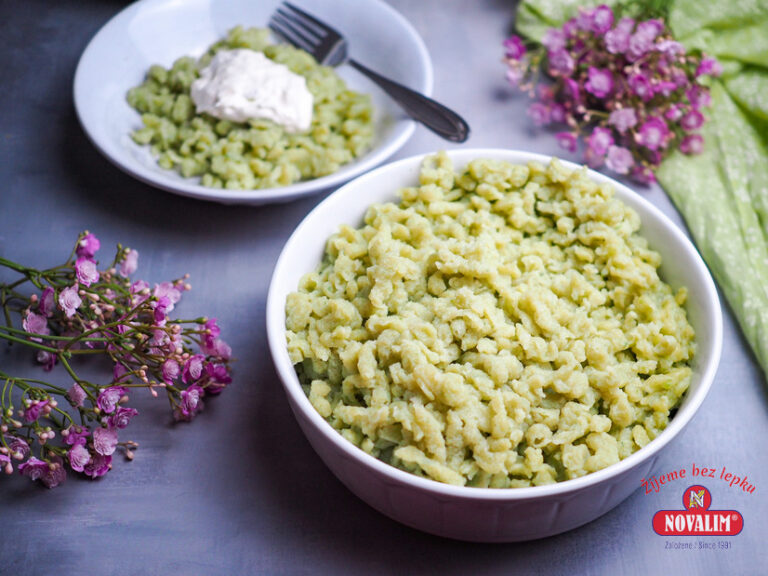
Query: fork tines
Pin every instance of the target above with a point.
(302, 29)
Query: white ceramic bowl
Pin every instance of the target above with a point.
(484, 514)
(160, 31)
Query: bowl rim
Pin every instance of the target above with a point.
(712, 314)
(187, 187)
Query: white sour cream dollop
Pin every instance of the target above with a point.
(242, 84)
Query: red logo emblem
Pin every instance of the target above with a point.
(697, 519)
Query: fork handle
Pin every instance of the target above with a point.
(441, 120)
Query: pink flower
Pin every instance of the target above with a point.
(674, 113)
(33, 468)
(557, 112)
(170, 371)
(50, 474)
(642, 40)
(109, 397)
(554, 39)
(162, 306)
(653, 133)
(640, 85)
(191, 403)
(193, 369)
(567, 140)
(670, 47)
(168, 290)
(619, 159)
(643, 174)
(118, 371)
(76, 395)
(709, 67)
(121, 417)
(664, 87)
(692, 144)
(105, 441)
(560, 63)
(218, 378)
(617, 40)
(514, 75)
(36, 409)
(18, 447)
(698, 96)
(602, 19)
(572, 90)
(35, 324)
(515, 49)
(599, 141)
(98, 466)
(130, 263)
(623, 119)
(539, 113)
(79, 457)
(599, 82)
(47, 302)
(75, 435)
(88, 246)
(86, 272)
(70, 301)
(691, 121)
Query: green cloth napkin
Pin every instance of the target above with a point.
(723, 193)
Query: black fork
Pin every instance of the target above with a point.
(330, 48)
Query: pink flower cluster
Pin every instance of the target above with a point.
(624, 89)
(83, 309)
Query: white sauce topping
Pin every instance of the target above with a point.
(241, 84)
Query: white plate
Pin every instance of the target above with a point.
(160, 31)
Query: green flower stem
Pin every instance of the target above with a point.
(29, 342)
(51, 337)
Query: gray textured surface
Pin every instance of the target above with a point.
(240, 491)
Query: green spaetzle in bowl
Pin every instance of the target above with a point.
(258, 153)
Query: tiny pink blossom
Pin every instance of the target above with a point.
(70, 301)
(47, 304)
(121, 417)
(88, 246)
(76, 395)
(692, 144)
(105, 441)
(674, 113)
(698, 96)
(118, 371)
(599, 141)
(50, 474)
(18, 447)
(35, 324)
(567, 141)
(561, 63)
(193, 369)
(619, 159)
(617, 40)
(640, 85)
(642, 40)
(75, 435)
(130, 263)
(623, 119)
(190, 404)
(653, 134)
(709, 67)
(514, 75)
(691, 121)
(35, 410)
(669, 47)
(109, 397)
(98, 466)
(170, 371)
(515, 49)
(79, 457)
(602, 19)
(599, 82)
(218, 378)
(554, 39)
(539, 113)
(86, 271)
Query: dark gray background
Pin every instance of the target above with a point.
(240, 491)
